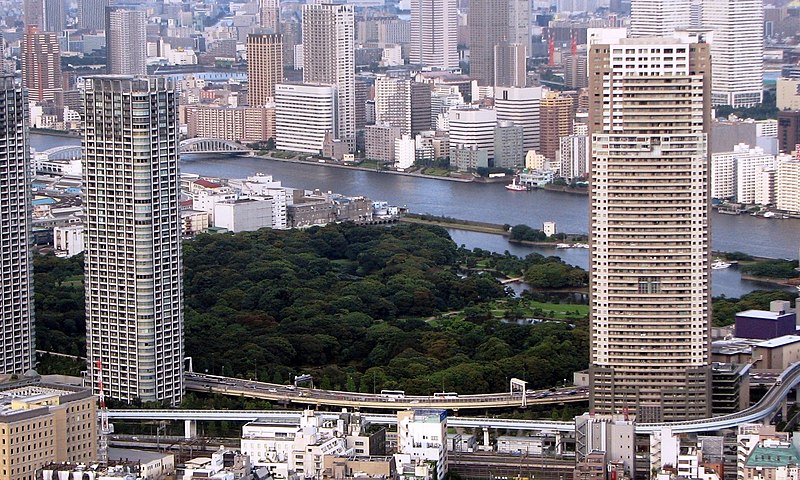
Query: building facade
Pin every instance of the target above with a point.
(91, 14)
(521, 106)
(269, 15)
(41, 65)
(303, 115)
(264, 67)
(650, 242)
(434, 34)
(133, 271)
(126, 41)
(737, 48)
(487, 22)
(470, 126)
(658, 18)
(17, 352)
(788, 187)
(329, 59)
(238, 124)
(509, 65)
(556, 114)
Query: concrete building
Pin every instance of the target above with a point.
(787, 91)
(126, 41)
(269, 15)
(788, 187)
(397, 99)
(48, 15)
(133, 273)
(788, 130)
(41, 423)
(487, 22)
(243, 215)
(468, 158)
(765, 189)
(747, 162)
(422, 434)
(556, 113)
(264, 66)
(723, 175)
(68, 240)
(303, 115)
(329, 59)
(238, 124)
(726, 134)
(575, 74)
(433, 39)
(573, 156)
(658, 18)
(510, 67)
(470, 126)
(650, 237)
(521, 106)
(91, 14)
(41, 66)
(508, 150)
(737, 47)
(442, 100)
(194, 222)
(612, 434)
(765, 324)
(405, 152)
(18, 342)
(379, 141)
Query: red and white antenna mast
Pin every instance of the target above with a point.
(105, 427)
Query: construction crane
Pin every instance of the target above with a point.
(105, 428)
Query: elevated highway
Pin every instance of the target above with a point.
(198, 382)
(767, 406)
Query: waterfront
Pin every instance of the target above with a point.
(492, 203)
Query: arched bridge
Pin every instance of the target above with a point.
(213, 145)
(67, 152)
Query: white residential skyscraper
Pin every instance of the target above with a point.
(434, 33)
(126, 41)
(133, 272)
(649, 117)
(737, 50)
(329, 59)
(658, 18)
(16, 297)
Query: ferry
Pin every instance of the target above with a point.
(516, 187)
(719, 265)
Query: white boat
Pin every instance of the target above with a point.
(719, 265)
(769, 214)
(516, 187)
(581, 245)
(563, 245)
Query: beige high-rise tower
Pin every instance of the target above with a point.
(264, 67)
(649, 221)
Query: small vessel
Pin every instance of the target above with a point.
(769, 214)
(516, 187)
(581, 245)
(719, 265)
(563, 245)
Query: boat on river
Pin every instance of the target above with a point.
(516, 187)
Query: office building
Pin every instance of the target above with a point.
(519, 15)
(17, 353)
(91, 14)
(126, 41)
(737, 47)
(788, 130)
(304, 114)
(575, 75)
(471, 126)
(521, 107)
(573, 156)
(650, 239)
(556, 112)
(509, 65)
(41, 65)
(508, 151)
(264, 67)
(269, 15)
(133, 273)
(488, 23)
(329, 58)
(42, 423)
(48, 15)
(421, 437)
(658, 18)
(433, 40)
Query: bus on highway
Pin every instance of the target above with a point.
(393, 393)
(445, 395)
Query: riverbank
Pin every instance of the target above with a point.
(466, 225)
(566, 189)
(783, 282)
(330, 164)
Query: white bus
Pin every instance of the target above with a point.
(393, 393)
(445, 395)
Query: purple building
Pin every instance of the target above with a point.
(764, 324)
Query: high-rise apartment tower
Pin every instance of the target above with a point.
(329, 59)
(16, 308)
(657, 18)
(126, 41)
(434, 34)
(91, 14)
(264, 67)
(41, 65)
(270, 15)
(649, 227)
(133, 272)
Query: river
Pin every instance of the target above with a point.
(493, 203)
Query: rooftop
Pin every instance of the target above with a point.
(772, 456)
(779, 342)
(762, 314)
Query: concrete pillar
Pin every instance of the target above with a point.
(559, 444)
(486, 442)
(785, 410)
(190, 428)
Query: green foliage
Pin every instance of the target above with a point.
(526, 233)
(556, 274)
(772, 269)
(725, 309)
(737, 256)
(60, 317)
(767, 109)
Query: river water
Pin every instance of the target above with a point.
(494, 204)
